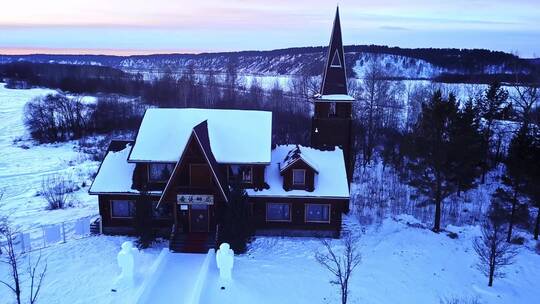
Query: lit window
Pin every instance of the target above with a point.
(332, 109)
(163, 212)
(160, 172)
(317, 213)
(247, 174)
(122, 208)
(299, 177)
(276, 212)
(243, 174)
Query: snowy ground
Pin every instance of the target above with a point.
(401, 263)
(23, 165)
(79, 271)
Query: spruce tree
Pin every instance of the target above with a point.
(441, 153)
(235, 227)
(427, 153)
(466, 153)
(521, 178)
(491, 107)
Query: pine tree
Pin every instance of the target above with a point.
(533, 186)
(427, 153)
(520, 163)
(143, 221)
(491, 107)
(466, 153)
(235, 227)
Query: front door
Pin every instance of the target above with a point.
(198, 218)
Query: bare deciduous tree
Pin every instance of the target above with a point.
(340, 264)
(56, 190)
(10, 257)
(525, 101)
(493, 250)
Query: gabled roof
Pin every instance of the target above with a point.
(295, 155)
(199, 134)
(115, 174)
(334, 76)
(235, 136)
(331, 182)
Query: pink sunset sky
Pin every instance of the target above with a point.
(165, 26)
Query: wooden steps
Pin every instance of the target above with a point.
(192, 242)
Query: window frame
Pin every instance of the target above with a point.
(304, 174)
(306, 207)
(150, 180)
(131, 204)
(279, 221)
(332, 109)
(242, 168)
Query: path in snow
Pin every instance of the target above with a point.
(177, 281)
(22, 170)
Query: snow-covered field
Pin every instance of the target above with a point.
(24, 164)
(400, 263)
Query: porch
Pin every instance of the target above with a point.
(192, 242)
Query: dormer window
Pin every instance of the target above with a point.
(299, 177)
(159, 173)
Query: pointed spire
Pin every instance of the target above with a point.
(334, 76)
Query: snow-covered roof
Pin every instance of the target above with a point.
(330, 182)
(115, 174)
(293, 156)
(236, 136)
(334, 98)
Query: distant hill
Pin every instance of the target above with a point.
(424, 63)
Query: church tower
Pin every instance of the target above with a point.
(332, 120)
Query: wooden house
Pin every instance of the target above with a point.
(177, 173)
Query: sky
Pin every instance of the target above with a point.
(126, 27)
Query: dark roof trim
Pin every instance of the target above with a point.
(301, 196)
(124, 193)
(178, 163)
(281, 170)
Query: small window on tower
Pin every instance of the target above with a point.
(336, 62)
(332, 109)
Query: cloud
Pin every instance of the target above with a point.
(393, 28)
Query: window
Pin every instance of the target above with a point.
(276, 212)
(317, 213)
(244, 173)
(163, 212)
(160, 172)
(247, 174)
(336, 62)
(299, 177)
(122, 208)
(332, 109)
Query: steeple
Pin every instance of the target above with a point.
(334, 76)
(331, 125)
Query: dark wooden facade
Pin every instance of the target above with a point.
(198, 173)
(298, 225)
